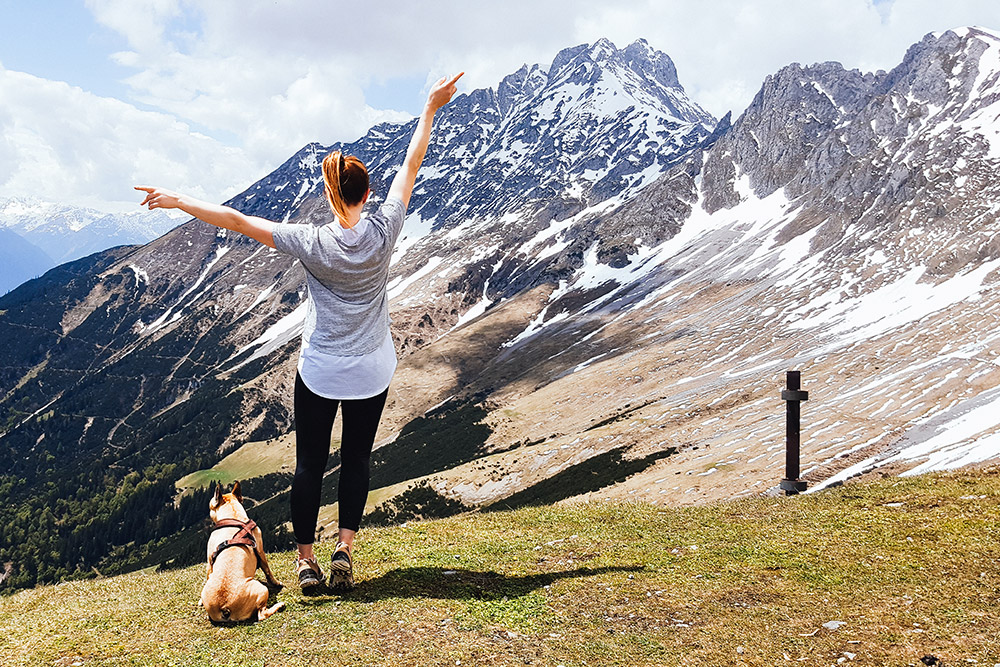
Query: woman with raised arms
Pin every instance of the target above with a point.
(347, 356)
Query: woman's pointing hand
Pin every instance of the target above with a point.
(158, 197)
(442, 91)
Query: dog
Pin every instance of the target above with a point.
(235, 551)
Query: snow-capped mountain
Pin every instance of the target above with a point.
(845, 226)
(595, 127)
(597, 291)
(66, 232)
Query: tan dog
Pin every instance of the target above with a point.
(235, 551)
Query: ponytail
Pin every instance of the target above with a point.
(346, 181)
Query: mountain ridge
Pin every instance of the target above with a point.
(20, 260)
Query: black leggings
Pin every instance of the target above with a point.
(314, 417)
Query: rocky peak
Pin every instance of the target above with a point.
(602, 49)
(828, 87)
(638, 57)
(945, 66)
(656, 65)
(520, 85)
(566, 56)
(795, 109)
(857, 146)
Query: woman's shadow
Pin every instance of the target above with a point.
(459, 584)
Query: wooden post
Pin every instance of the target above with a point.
(792, 396)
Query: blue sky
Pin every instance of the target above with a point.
(62, 42)
(209, 96)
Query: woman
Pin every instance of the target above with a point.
(347, 355)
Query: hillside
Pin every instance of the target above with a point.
(889, 572)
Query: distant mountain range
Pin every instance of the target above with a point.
(595, 295)
(20, 260)
(51, 234)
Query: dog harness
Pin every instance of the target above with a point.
(244, 538)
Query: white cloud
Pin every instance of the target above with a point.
(143, 22)
(8, 151)
(272, 75)
(64, 144)
(281, 74)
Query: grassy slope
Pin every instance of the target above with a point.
(251, 460)
(910, 566)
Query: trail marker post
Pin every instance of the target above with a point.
(792, 396)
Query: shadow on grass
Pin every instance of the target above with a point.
(457, 584)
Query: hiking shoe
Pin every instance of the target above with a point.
(310, 574)
(341, 568)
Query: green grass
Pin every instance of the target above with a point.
(911, 566)
(254, 459)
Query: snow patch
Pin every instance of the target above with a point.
(170, 315)
(399, 284)
(140, 275)
(891, 306)
(276, 336)
(266, 292)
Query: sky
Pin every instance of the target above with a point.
(206, 97)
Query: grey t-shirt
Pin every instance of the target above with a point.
(348, 309)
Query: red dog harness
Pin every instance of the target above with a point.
(244, 538)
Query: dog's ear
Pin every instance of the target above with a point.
(217, 498)
(236, 491)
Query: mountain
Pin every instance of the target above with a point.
(66, 233)
(596, 293)
(845, 226)
(594, 128)
(20, 260)
(146, 364)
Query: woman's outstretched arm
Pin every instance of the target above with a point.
(441, 93)
(256, 228)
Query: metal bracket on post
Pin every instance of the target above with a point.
(792, 396)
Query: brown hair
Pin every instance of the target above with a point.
(346, 181)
